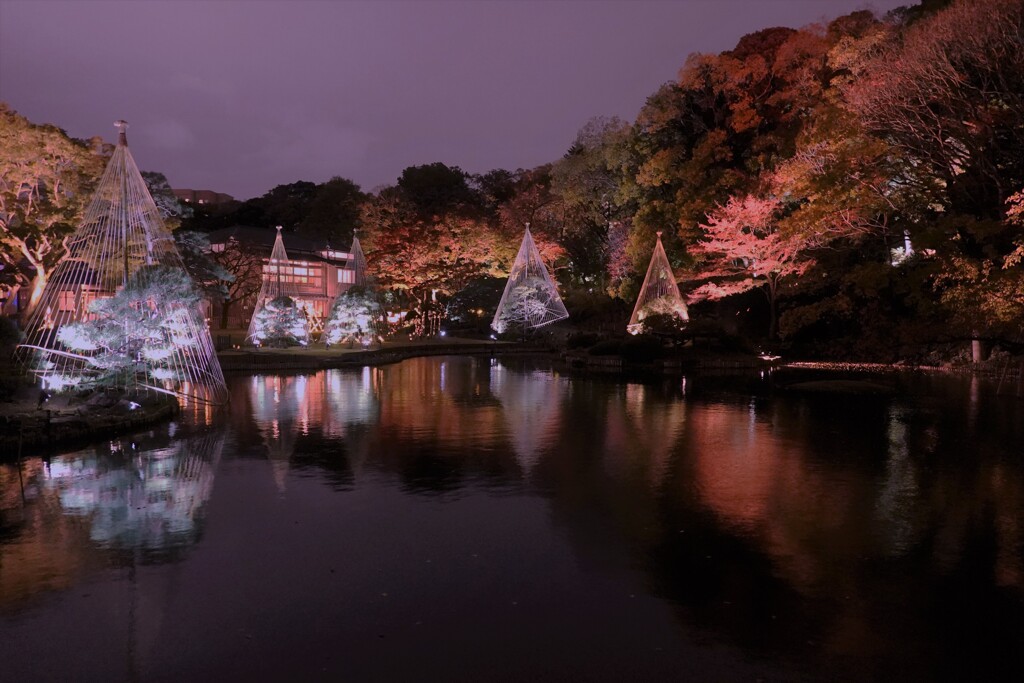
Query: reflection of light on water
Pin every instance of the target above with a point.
(899, 491)
(751, 417)
(288, 405)
(635, 394)
(975, 391)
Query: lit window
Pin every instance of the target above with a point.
(346, 277)
(217, 247)
(67, 300)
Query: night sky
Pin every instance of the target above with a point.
(239, 96)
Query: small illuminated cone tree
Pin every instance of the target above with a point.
(357, 314)
(279, 323)
(659, 294)
(277, 320)
(120, 311)
(531, 298)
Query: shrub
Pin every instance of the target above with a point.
(608, 347)
(641, 348)
(581, 340)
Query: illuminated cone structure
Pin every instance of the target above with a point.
(659, 293)
(357, 314)
(530, 299)
(358, 264)
(277, 319)
(120, 311)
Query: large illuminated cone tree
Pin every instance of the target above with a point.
(357, 314)
(119, 310)
(278, 320)
(659, 295)
(130, 336)
(531, 298)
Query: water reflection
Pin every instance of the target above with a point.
(842, 533)
(814, 484)
(136, 496)
(138, 499)
(531, 402)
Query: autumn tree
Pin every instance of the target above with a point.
(532, 202)
(433, 234)
(46, 182)
(418, 256)
(948, 96)
(744, 250)
(730, 116)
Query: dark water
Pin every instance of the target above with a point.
(465, 519)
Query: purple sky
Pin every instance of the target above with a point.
(238, 96)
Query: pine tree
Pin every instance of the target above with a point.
(140, 334)
(356, 315)
(279, 323)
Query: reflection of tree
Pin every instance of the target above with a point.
(440, 422)
(41, 550)
(278, 404)
(642, 432)
(531, 404)
(146, 499)
(349, 398)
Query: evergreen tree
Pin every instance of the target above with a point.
(356, 315)
(279, 323)
(135, 333)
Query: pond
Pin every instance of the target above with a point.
(467, 519)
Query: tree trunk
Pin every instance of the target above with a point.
(979, 349)
(773, 311)
(36, 294)
(224, 308)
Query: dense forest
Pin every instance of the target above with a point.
(852, 189)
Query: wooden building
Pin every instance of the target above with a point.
(314, 274)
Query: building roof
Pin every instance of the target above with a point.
(299, 248)
(202, 196)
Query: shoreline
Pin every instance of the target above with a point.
(316, 359)
(32, 429)
(37, 431)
